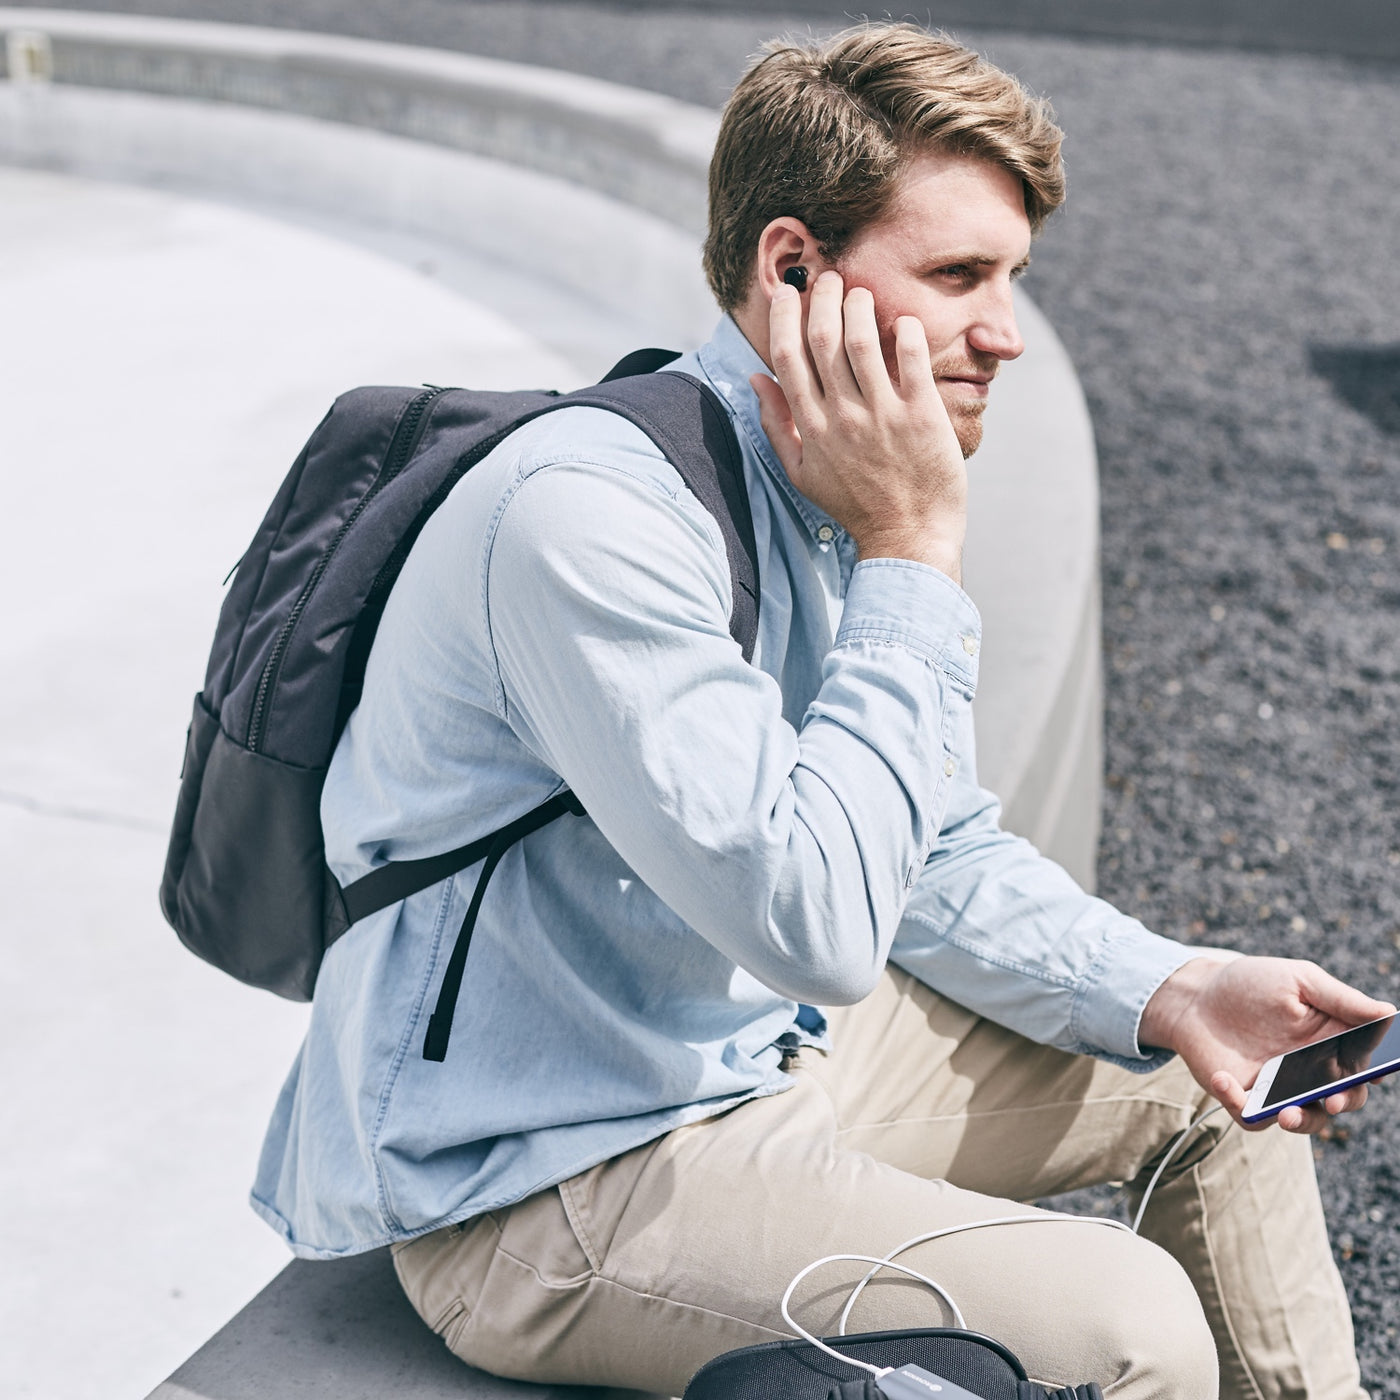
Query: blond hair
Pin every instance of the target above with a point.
(821, 131)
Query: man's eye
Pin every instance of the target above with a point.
(956, 272)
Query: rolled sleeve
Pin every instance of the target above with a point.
(915, 606)
(1131, 965)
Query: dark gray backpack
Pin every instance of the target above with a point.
(246, 885)
(957, 1364)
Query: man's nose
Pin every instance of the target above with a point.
(995, 331)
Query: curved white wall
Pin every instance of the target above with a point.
(599, 192)
(398, 215)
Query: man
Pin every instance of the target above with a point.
(645, 1127)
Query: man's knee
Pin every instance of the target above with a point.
(1147, 1335)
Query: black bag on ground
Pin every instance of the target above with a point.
(246, 885)
(796, 1370)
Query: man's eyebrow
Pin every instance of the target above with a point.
(975, 260)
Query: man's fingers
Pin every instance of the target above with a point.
(826, 336)
(789, 352)
(1336, 999)
(863, 350)
(1314, 1117)
(912, 361)
(888, 467)
(1305, 1118)
(1348, 1101)
(776, 417)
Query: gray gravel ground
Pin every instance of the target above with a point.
(1226, 279)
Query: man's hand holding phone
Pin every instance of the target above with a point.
(1226, 1019)
(876, 452)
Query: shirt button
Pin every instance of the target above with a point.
(826, 534)
(970, 645)
(949, 767)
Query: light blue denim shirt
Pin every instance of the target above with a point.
(758, 837)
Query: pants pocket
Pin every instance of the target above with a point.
(541, 1233)
(443, 1273)
(524, 1319)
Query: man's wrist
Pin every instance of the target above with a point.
(1157, 1028)
(938, 552)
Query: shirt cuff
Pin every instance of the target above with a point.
(916, 606)
(1132, 964)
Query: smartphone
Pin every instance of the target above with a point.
(1325, 1067)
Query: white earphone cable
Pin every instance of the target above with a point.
(1167, 1160)
(887, 1261)
(1043, 1217)
(859, 1259)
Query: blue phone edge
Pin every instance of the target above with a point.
(1340, 1086)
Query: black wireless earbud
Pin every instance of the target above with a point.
(796, 277)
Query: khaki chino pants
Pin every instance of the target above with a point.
(638, 1271)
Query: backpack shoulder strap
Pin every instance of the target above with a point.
(687, 420)
(640, 362)
(690, 425)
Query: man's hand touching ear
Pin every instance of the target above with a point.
(1225, 1019)
(880, 457)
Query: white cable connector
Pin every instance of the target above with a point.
(887, 1261)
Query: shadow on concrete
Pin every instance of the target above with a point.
(1365, 377)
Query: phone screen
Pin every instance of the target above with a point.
(1355, 1052)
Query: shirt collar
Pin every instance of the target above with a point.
(728, 360)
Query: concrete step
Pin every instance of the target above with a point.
(343, 1330)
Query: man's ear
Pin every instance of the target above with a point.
(785, 243)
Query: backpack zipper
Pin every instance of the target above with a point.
(401, 448)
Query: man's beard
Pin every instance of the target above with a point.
(966, 419)
(966, 414)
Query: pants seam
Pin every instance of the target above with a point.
(968, 1115)
(574, 1216)
(693, 1307)
(603, 1279)
(1219, 1291)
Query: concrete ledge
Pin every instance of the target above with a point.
(342, 1331)
(645, 149)
(602, 189)
(635, 275)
